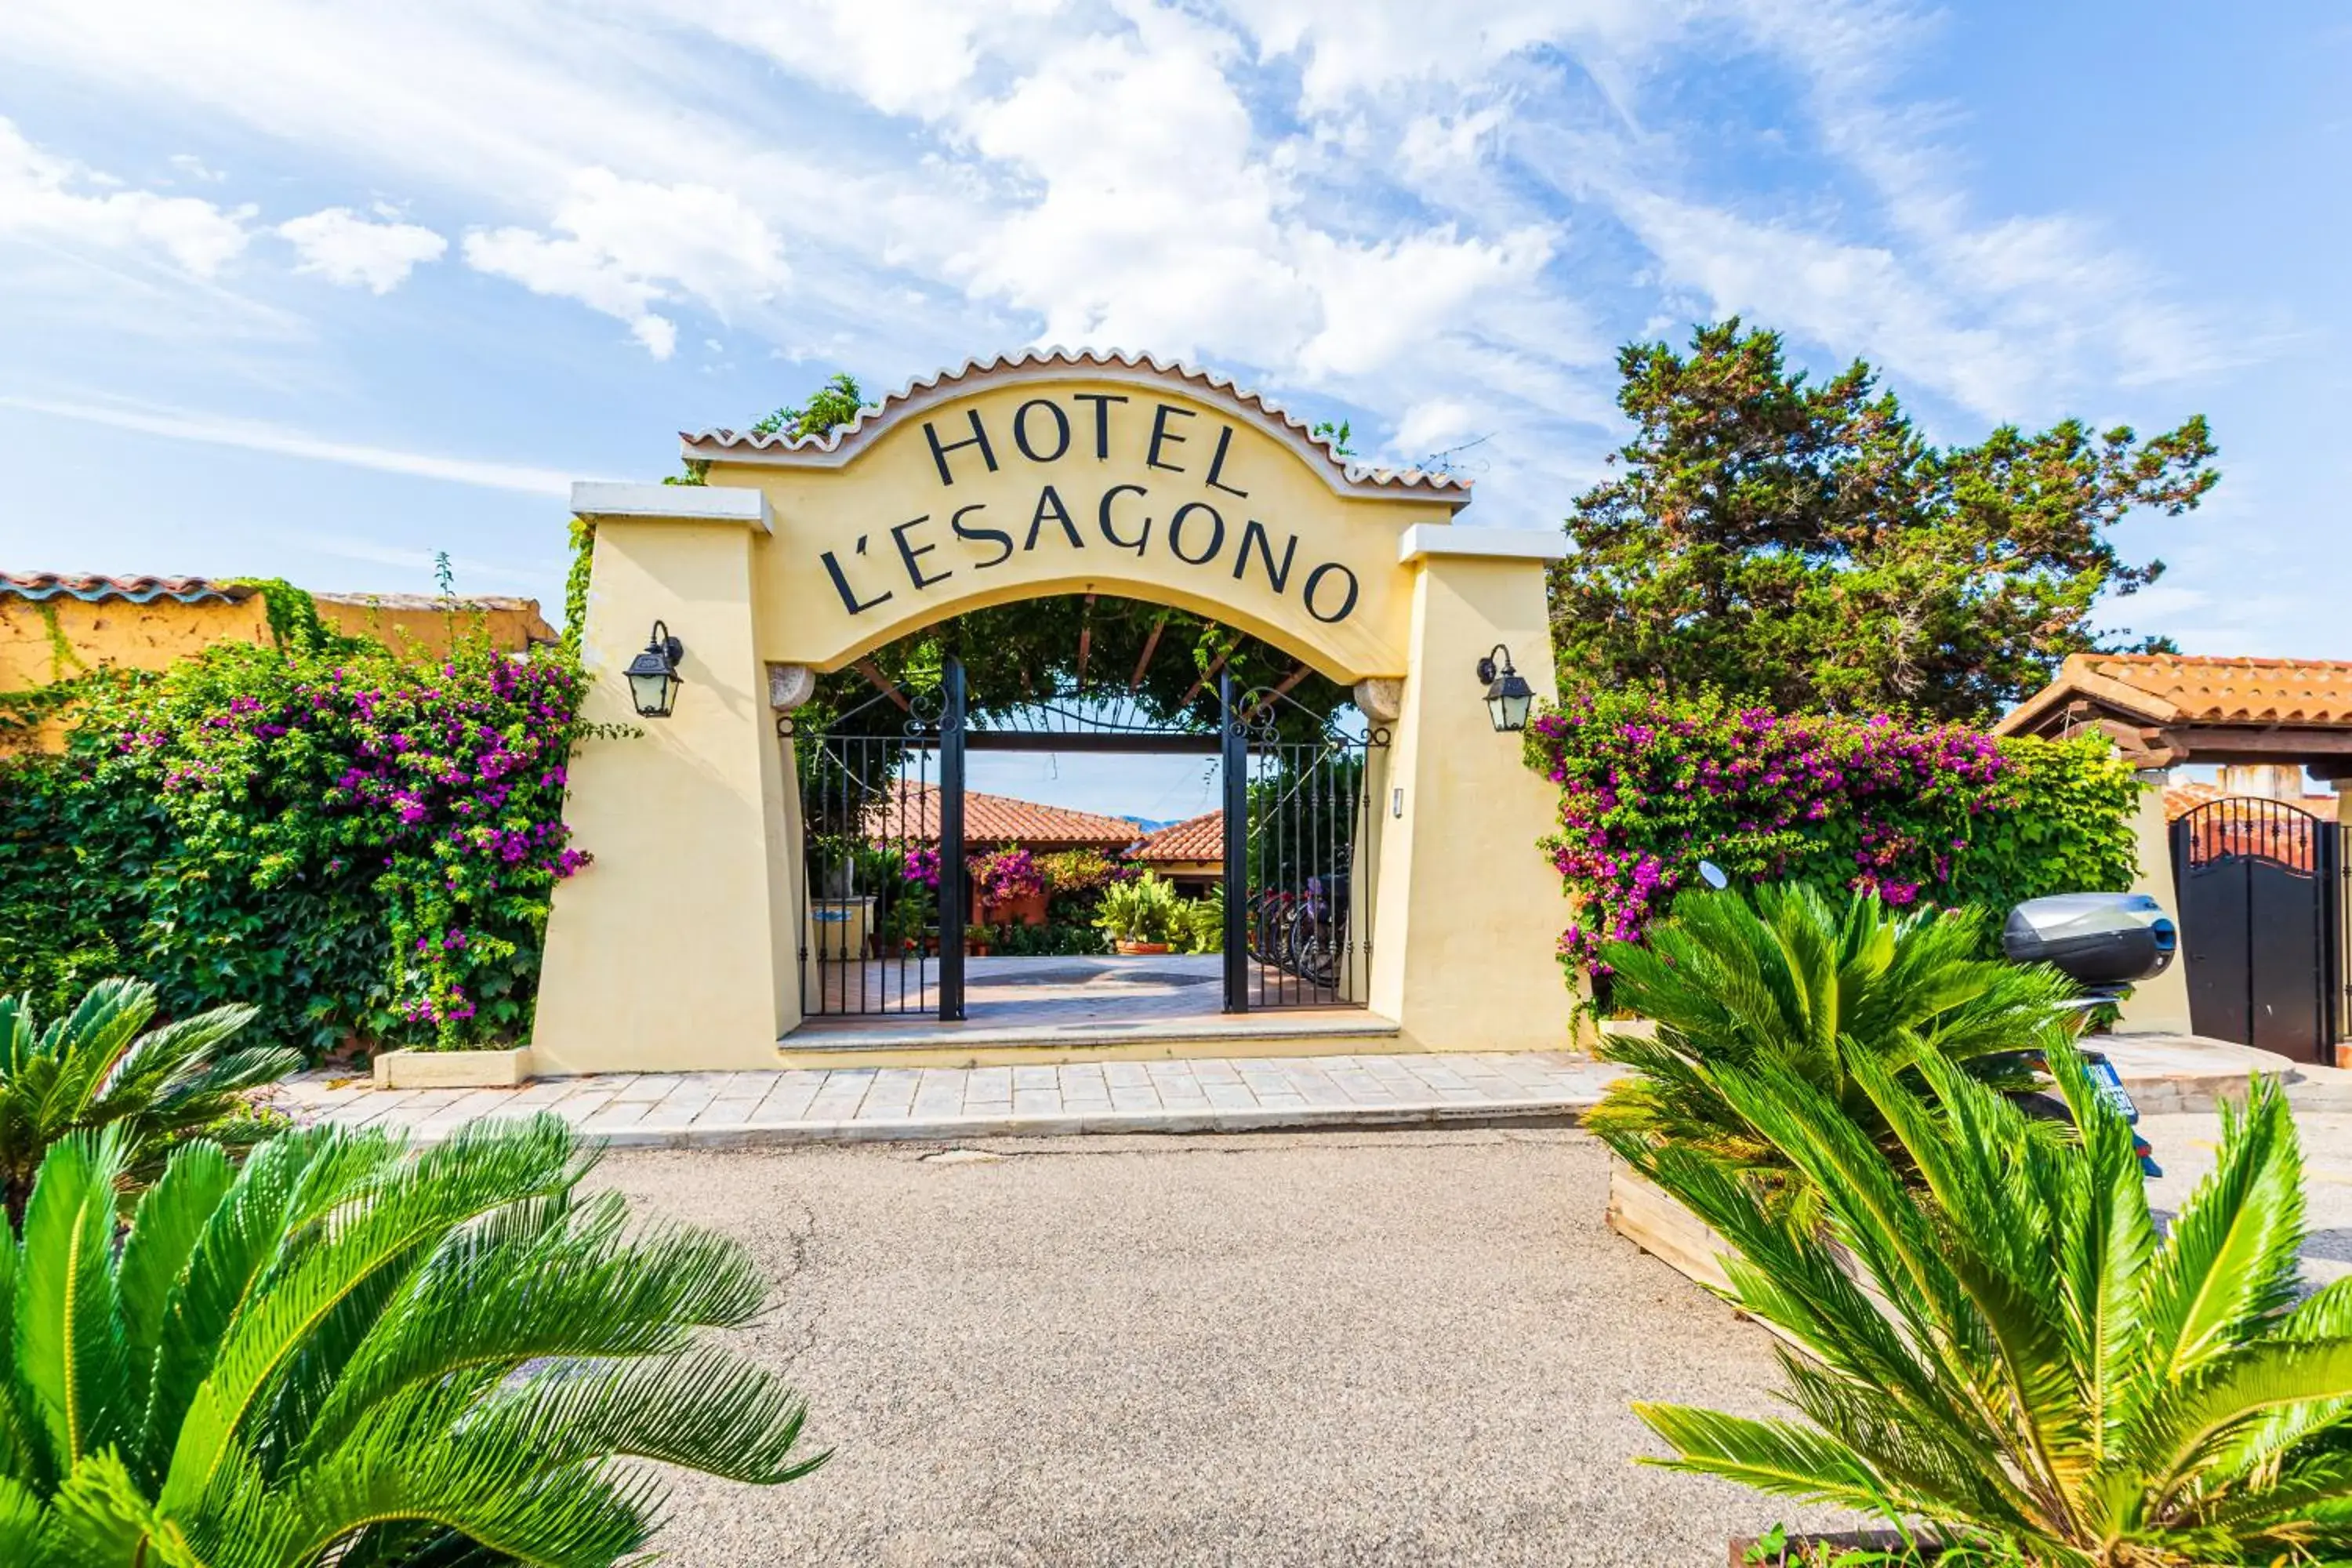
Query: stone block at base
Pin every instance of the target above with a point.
(454, 1070)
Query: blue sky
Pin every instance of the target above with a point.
(313, 290)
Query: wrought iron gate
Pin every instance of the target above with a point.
(2258, 884)
(1300, 851)
(881, 791)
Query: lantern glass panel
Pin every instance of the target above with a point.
(655, 692)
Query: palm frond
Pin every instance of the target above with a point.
(69, 1348)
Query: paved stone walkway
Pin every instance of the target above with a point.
(845, 1105)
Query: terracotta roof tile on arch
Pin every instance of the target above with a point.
(1195, 838)
(974, 374)
(914, 814)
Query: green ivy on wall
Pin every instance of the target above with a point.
(359, 844)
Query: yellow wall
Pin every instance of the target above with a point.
(670, 948)
(402, 621)
(113, 632)
(1469, 911)
(2159, 1005)
(154, 634)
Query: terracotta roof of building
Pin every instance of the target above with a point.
(914, 814)
(2179, 689)
(142, 589)
(137, 590)
(1201, 837)
(838, 444)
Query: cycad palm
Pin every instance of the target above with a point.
(349, 1352)
(93, 1068)
(2023, 1363)
(1793, 980)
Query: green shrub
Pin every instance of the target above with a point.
(1199, 924)
(347, 1352)
(358, 843)
(1797, 981)
(1649, 786)
(97, 1066)
(1143, 909)
(2018, 1359)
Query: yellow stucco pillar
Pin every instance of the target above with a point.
(669, 950)
(1468, 911)
(2159, 1005)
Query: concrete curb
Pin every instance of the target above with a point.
(1074, 1123)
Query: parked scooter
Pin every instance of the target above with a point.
(2105, 943)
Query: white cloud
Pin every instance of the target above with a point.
(1349, 48)
(625, 244)
(44, 197)
(346, 249)
(255, 435)
(1381, 303)
(903, 56)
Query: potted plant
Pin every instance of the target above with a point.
(978, 938)
(1011, 887)
(1139, 915)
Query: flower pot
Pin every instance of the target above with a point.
(1140, 948)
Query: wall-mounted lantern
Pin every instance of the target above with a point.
(1508, 695)
(652, 674)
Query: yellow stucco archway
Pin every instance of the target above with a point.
(1023, 476)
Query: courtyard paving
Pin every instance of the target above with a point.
(864, 1104)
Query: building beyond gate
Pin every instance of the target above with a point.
(1020, 478)
(2256, 883)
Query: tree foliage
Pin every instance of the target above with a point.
(1802, 546)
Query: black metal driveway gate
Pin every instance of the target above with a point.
(2259, 884)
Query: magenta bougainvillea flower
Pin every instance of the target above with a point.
(1649, 787)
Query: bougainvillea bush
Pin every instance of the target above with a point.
(1649, 786)
(359, 845)
(1007, 876)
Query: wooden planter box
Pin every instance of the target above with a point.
(1641, 1211)
(1643, 1214)
(454, 1070)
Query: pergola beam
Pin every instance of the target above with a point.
(1149, 644)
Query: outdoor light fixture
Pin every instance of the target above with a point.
(1508, 695)
(653, 675)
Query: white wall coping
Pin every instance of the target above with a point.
(685, 503)
(1424, 538)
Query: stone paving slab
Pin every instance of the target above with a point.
(848, 1105)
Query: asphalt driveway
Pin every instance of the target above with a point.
(1345, 1348)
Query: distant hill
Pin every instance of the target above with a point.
(1146, 824)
